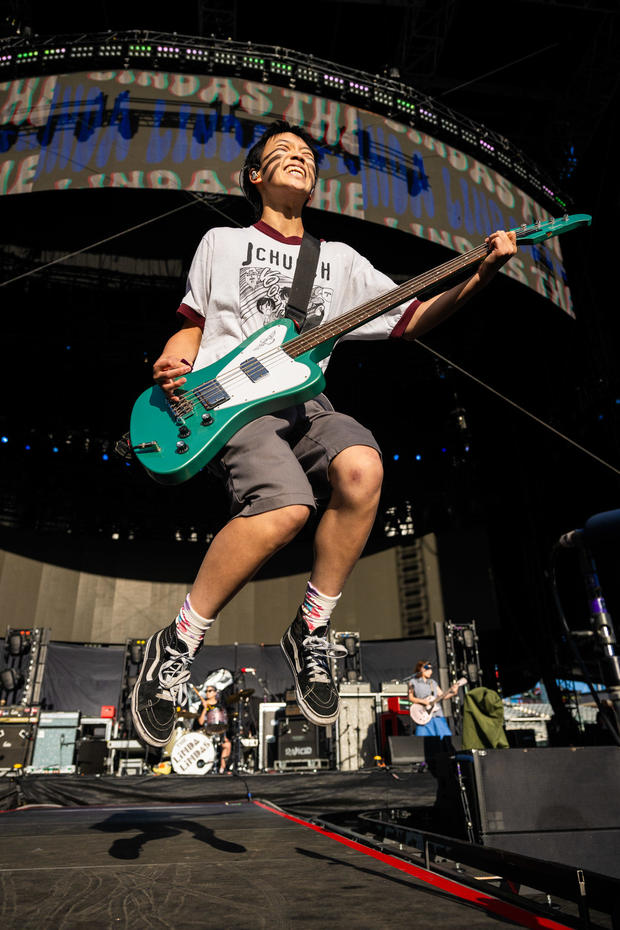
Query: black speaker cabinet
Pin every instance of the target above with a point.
(91, 756)
(406, 750)
(298, 739)
(561, 804)
(16, 745)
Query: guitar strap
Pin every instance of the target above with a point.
(301, 288)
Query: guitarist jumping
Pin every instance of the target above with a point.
(278, 468)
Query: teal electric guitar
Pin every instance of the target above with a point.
(274, 368)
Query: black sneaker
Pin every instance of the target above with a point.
(307, 652)
(161, 686)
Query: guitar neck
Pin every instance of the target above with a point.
(323, 337)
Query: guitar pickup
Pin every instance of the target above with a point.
(253, 369)
(211, 394)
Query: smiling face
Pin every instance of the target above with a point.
(287, 170)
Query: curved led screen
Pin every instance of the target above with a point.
(161, 130)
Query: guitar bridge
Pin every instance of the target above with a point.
(151, 446)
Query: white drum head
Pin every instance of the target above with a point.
(193, 754)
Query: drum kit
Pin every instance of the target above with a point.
(197, 750)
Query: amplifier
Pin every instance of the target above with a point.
(357, 742)
(16, 713)
(16, 743)
(55, 743)
(269, 715)
(298, 739)
(91, 756)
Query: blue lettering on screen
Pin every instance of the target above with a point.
(410, 186)
(159, 142)
(400, 194)
(117, 134)
(204, 140)
(179, 152)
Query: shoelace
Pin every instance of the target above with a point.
(319, 651)
(173, 675)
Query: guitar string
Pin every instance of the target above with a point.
(304, 343)
(353, 318)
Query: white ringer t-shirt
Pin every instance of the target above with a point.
(240, 279)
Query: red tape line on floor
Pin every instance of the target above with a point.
(489, 903)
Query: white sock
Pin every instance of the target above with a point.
(191, 627)
(316, 607)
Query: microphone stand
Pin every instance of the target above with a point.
(603, 629)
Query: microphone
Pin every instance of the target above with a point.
(601, 528)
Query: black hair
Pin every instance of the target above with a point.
(254, 155)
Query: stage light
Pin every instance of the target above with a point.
(136, 653)
(428, 115)
(449, 126)
(16, 645)
(4, 439)
(332, 80)
(253, 61)
(406, 106)
(281, 67)
(418, 457)
(383, 96)
(140, 49)
(11, 679)
(225, 58)
(358, 88)
(396, 457)
(307, 74)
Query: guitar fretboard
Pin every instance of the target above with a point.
(362, 314)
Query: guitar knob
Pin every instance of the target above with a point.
(182, 447)
(184, 432)
(207, 419)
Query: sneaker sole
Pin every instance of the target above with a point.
(307, 711)
(142, 733)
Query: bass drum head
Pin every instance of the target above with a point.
(193, 754)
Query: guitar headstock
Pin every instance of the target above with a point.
(538, 232)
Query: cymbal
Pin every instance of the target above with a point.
(187, 714)
(239, 695)
(212, 728)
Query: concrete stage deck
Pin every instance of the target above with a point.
(237, 866)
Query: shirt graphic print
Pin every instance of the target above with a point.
(264, 292)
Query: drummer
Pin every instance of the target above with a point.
(211, 702)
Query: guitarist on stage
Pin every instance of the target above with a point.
(277, 469)
(424, 690)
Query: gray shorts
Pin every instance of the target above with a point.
(282, 459)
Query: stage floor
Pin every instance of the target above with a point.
(236, 866)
